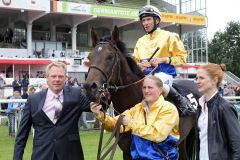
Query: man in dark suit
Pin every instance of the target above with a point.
(54, 114)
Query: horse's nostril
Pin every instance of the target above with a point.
(90, 90)
(85, 85)
(94, 85)
(90, 86)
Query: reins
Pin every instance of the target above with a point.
(115, 133)
(139, 81)
(116, 88)
(104, 96)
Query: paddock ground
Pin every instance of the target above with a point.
(89, 140)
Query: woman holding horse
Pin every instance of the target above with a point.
(154, 123)
(217, 120)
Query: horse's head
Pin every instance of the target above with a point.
(104, 66)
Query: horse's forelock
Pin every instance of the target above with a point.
(106, 38)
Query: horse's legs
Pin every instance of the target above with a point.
(182, 151)
(191, 144)
(126, 156)
(125, 143)
(185, 126)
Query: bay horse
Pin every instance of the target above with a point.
(110, 65)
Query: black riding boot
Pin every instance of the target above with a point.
(181, 102)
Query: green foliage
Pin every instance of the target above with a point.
(225, 47)
(89, 140)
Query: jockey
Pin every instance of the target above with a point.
(170, 53)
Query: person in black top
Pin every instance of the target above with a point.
(31, 90)
(218, 136)
(25, 83)
(17, 85)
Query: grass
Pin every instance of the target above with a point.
(89, 140)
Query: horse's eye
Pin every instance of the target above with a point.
(109, 57)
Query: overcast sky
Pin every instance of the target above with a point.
(219, 12)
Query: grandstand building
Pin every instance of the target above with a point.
(35, 32)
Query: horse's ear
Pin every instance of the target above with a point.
(115, 34)
(95, 37)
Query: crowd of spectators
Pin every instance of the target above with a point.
(13, 110)
(227, 89)
(40, 74)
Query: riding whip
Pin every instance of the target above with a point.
(154, 53)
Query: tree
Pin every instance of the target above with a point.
(225, 47)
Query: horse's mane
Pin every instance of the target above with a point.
(122, 47)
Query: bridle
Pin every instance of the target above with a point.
(104, 90)
(116, 64)
(104, 96)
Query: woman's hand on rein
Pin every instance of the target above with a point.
(125, 120)
(95, 107)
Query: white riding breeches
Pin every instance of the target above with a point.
(166, 78)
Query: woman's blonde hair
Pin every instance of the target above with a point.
(157, 80)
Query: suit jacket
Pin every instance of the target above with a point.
(61, 138)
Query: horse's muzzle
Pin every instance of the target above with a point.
(90, 89)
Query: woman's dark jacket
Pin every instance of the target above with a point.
(223, 130)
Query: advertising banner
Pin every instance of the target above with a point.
(108, 11)
(39, 5)
(118, 12)
(184, 19)
(72, 8)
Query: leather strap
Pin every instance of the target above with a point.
(112, 148)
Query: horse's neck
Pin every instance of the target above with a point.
(127, 97)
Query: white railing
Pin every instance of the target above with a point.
(13, 101)
(233, 100)
(231, 97)
(18, 114)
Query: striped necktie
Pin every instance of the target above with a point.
(57, 107)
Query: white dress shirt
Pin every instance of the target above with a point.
(50, 103)
(203, 129)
